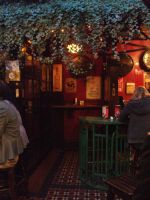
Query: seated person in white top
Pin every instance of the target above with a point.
(11, 143)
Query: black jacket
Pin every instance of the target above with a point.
(137, 112)
(142, 191)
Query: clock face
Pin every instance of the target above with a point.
(146, 59)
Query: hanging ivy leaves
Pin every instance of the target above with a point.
(98, 24)
(80, 66)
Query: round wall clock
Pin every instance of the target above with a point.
(145, 61)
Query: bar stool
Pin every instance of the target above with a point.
(8, 184)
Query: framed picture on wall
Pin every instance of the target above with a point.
(93, 90)
(70, 85)
(147, 81)
(57, 77)
(130, 87)
(12, 72)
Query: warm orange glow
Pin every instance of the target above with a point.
(29, 41)
(136, 63)
(29, 58)
(23, 49)
(76, 59)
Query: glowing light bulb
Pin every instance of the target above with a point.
(29, 41)
(74, 48)
(23, 49)
(136, 63)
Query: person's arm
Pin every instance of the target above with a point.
(2, 121)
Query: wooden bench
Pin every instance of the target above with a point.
(122, 186)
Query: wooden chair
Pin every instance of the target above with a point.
(8, 184)
(135, 185)
(13, 178)
(122, 186)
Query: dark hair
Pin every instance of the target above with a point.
(3, 89)
(140, 92)
(5, 92)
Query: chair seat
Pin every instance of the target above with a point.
(123, 186)
(126, 184)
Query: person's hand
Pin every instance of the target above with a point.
(148, 133)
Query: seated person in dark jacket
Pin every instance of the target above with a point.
(137, 113)
(142, 191)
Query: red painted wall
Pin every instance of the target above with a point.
(81, 83)
(71, 120)
(137, 74)
(71, 123)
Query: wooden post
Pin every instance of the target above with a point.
(113, 95)
(110, 90)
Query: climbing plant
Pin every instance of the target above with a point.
(50, 26)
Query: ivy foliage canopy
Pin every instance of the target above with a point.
(95, 24)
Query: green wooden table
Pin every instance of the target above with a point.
(103, 149)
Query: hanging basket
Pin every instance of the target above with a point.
(80, 66)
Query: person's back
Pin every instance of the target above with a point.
(22, 130)
(10, 141)
(142, 191)
(8, 120)
(137, 112)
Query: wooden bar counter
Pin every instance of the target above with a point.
(72, 106)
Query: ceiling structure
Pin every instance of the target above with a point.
(49, 26)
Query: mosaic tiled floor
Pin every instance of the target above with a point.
(63, 182)
(75, 194)
(67, 172)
